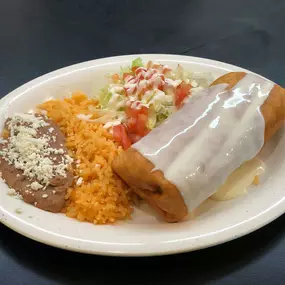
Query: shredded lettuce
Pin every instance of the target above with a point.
(137, 62)
(125, 69)
(160, 103)
(147, 97)
(151, 123)
(122, 109)
(156, 117)
(163, 114)
(116, 103)
(161, 118)
(104, 97)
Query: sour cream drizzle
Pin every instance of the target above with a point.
(210, 137)
(148, 79)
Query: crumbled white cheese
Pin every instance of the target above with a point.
(45, 196)
(12, 192)
(36, 122)
(30, 153)
(51, 130)
(36, 186)
(68, 158)
(53, 191)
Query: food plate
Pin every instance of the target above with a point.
(216, 223)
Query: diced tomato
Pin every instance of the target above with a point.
(131, 124)
(135, 129)
(135, 109)
(134, 68)
(181, 93)
(126, 74)
(141, 127)
(137, 117)
(160, 86)
(126, 142)
(131, 112)
(140, 69)
(115, 77)
(144, 110)
(121, 136)
(165, 70)
(134, 138)
(117, 133)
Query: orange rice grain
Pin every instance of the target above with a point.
(102, 197)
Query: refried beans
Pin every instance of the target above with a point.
(35, 162)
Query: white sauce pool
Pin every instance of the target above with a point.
(211, 136)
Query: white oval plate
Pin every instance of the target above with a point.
(217, 222)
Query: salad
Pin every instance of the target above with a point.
(141, 96)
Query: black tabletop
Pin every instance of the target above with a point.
(38, 36)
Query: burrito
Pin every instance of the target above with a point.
(185, 160)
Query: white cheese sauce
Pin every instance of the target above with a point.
(238, 182)
(211, 136)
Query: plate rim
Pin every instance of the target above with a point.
(16, 224)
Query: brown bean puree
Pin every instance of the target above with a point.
(34, 161)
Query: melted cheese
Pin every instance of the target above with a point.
(238, 182)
